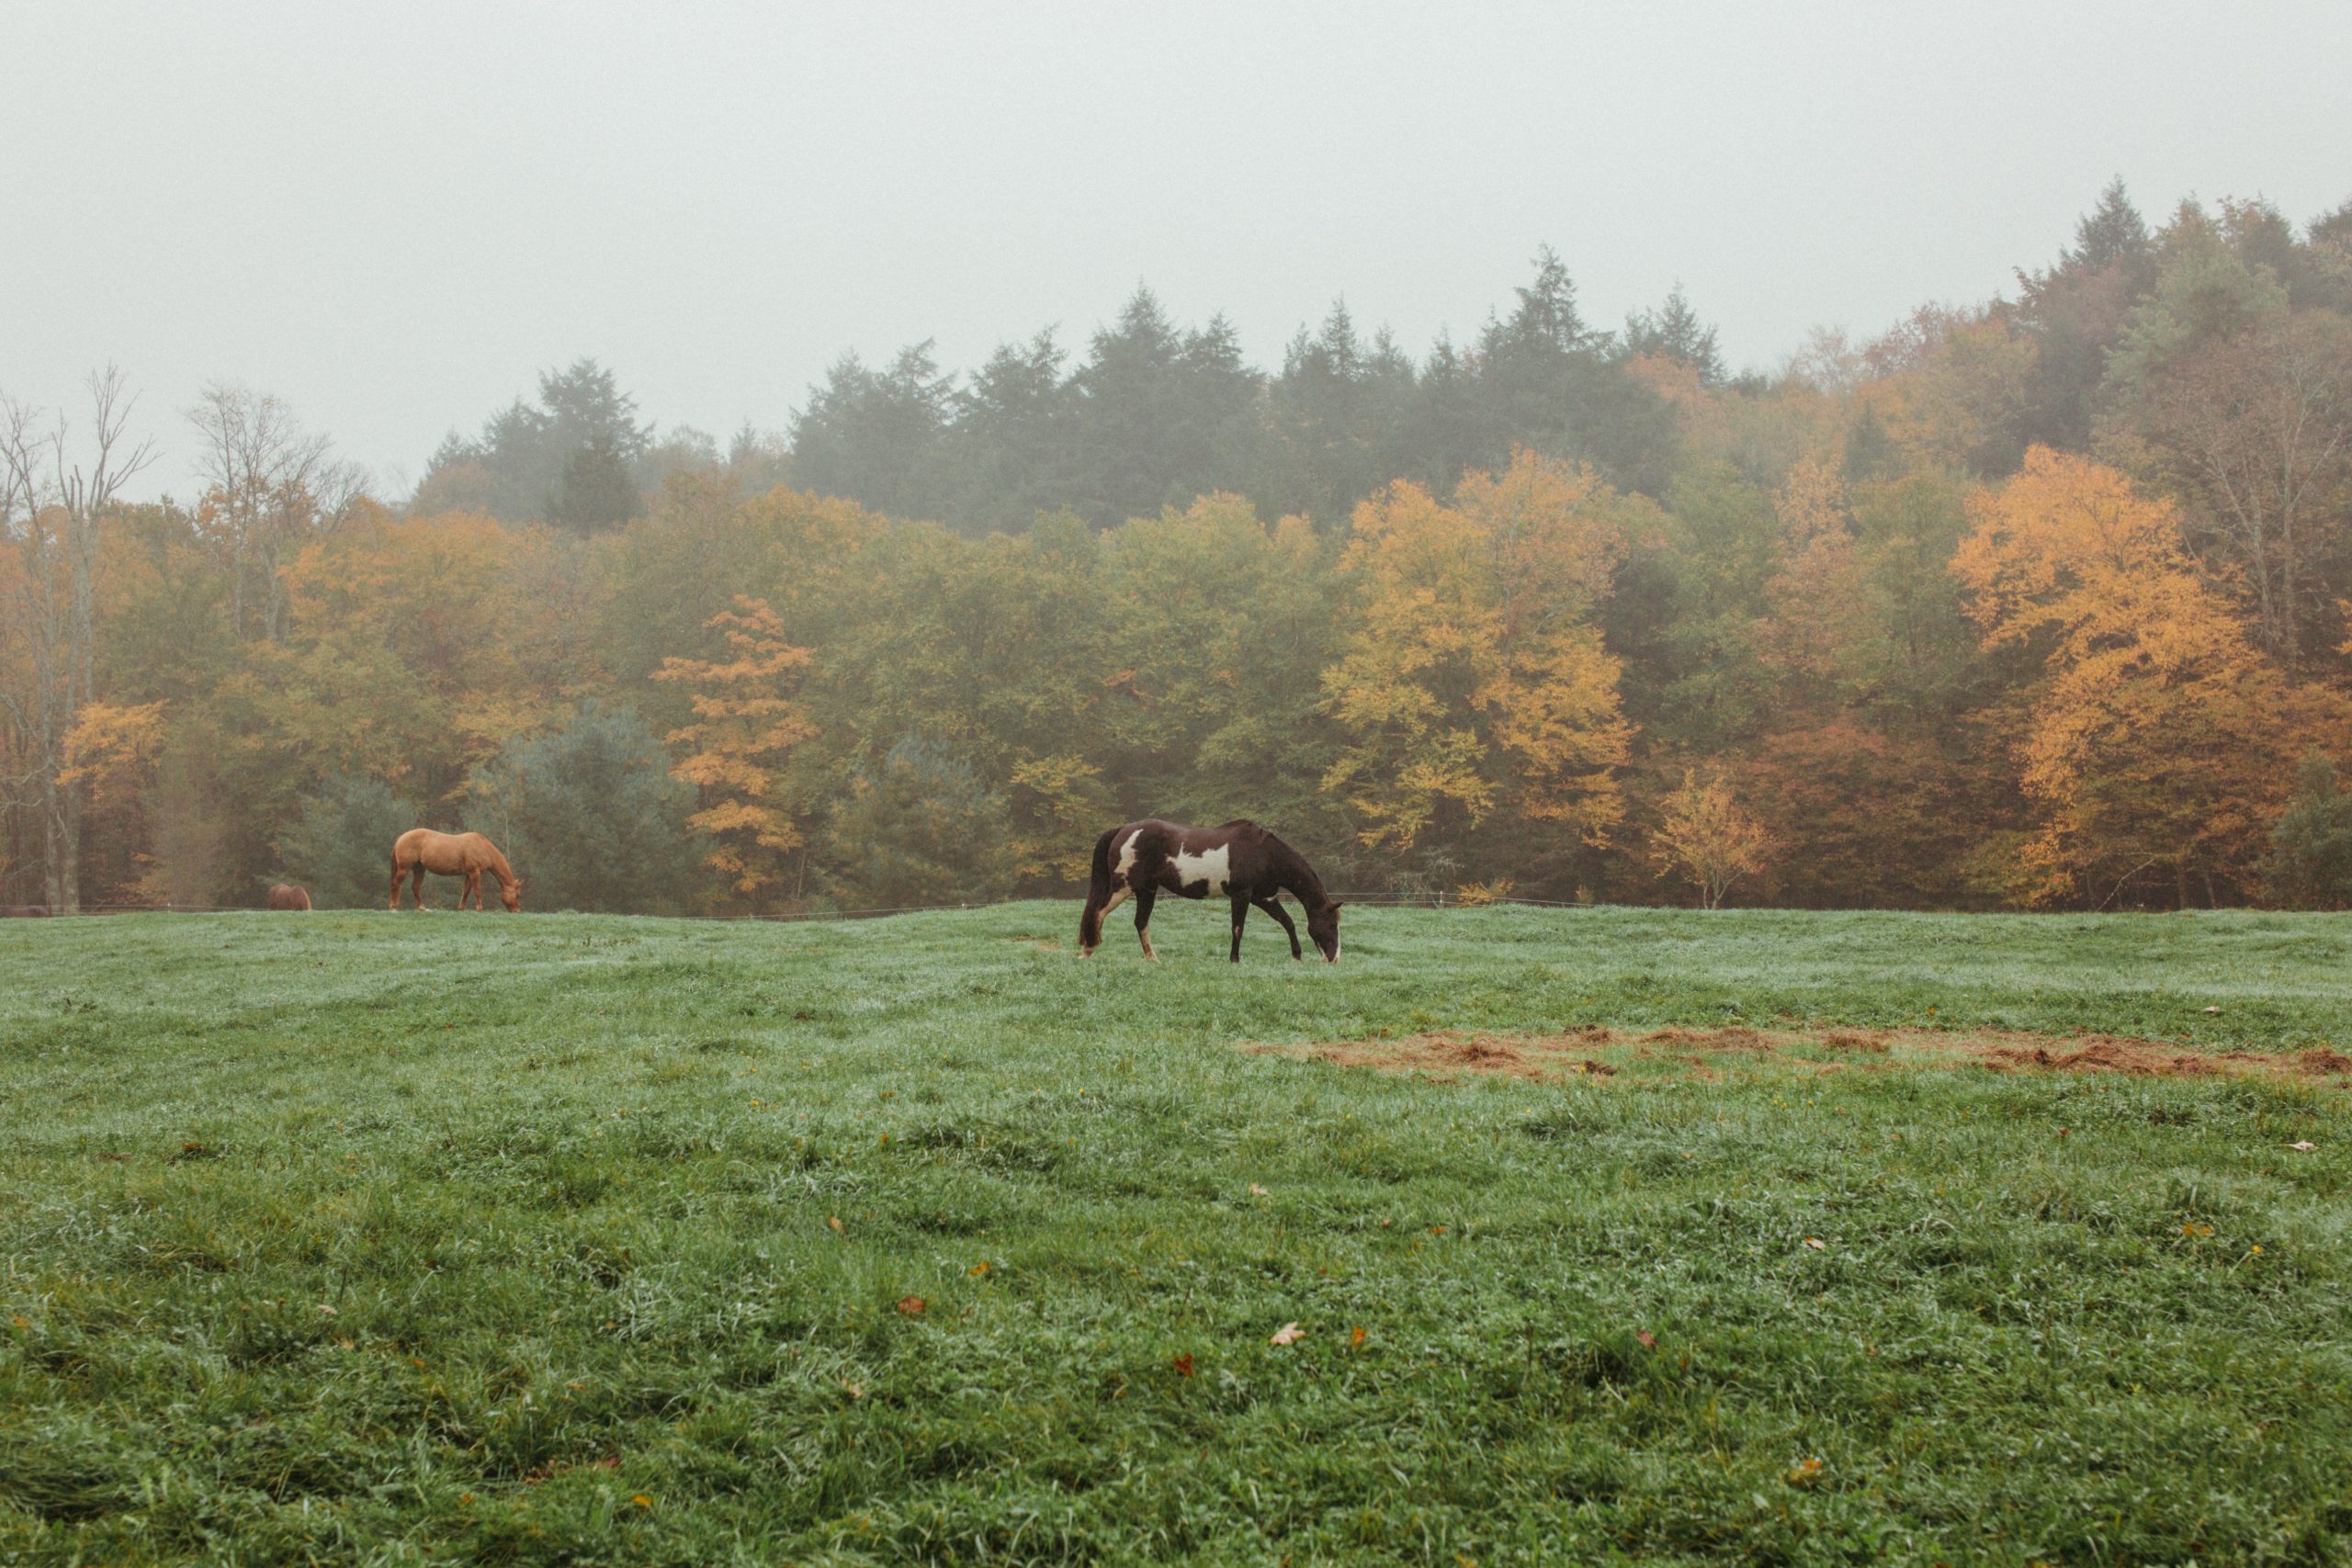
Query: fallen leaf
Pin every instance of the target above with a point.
(912, 1306)
(1288, 1334)
(2303, 1143)
(835, 1221)
(1182, 1363)
(2212, 1010)
(1437, 1230)
(642, 1501)
(1648, 1340)
(1256, 1190)
(1804, 1472)
(977, 1269)
(328, 1310)
(1816, 1243)
(1355, 1339)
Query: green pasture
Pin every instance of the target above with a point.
(361, 1238)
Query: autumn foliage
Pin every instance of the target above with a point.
(2043, 602)
(2155, 734)
(745, 727)
(1474, 679)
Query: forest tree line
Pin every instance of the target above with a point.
(2044, 603)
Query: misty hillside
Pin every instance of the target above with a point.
(2037, 602)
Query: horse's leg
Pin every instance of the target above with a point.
(416, 882)
(1144, 897)
(1241, 918)
(472, 889)
(400, 874)
(1282, 918)
(1094, 919)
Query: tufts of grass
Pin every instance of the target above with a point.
(362, 1237)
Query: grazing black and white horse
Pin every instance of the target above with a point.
(1239, 860)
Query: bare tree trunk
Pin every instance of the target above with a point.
(268, 487)
(2255, 430)
(54, 508)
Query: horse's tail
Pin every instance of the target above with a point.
(1098, 893)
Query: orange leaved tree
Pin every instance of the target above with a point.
(747, 722)
(2159, 741)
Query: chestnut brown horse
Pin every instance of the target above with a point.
(286, 896)
(420, 849)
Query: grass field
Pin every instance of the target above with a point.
(362, 1237)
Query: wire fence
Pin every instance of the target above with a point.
(1380, 900)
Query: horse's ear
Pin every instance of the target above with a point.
(1336, 903)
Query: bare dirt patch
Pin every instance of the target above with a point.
(1597, 1051)
(2109, 1054)
(1736, 1038)
(1444, 1054)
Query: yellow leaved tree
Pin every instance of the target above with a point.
(1707, 837)
(1474, 680)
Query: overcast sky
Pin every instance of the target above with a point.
(395, 215)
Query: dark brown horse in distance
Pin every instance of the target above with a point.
(420, 849)
(286, 896)
(1240, 862)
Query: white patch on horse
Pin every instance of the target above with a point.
(1118, 897)
(1127, 854)
(1213, 866)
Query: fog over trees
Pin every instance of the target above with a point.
(2044, 601)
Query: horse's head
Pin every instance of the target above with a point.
(510, 895)
(1323, 925)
